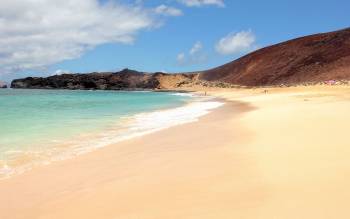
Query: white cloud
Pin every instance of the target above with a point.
(37, 33)
(235, 43)
(198, 3)
(194, 56)
(196, 48)
(60, 71)
(168, 11)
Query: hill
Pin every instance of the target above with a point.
(310, 59)
(313, 58)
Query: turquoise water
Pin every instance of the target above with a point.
(33, 122)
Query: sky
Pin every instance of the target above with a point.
(47, 37)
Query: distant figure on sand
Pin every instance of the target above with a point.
(266, 91)
(205, 93)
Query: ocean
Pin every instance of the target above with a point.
(41, 126)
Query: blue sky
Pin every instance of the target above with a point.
(185, 38)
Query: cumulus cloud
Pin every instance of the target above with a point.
(168, 11)
(37, 33)
(198, 3)
(196, 48)
(236, 43)
(194, 56)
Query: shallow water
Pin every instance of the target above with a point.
(43, 125)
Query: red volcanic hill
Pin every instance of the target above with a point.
(313, 58)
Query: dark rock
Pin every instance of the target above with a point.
(123, 80)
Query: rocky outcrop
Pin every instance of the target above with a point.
(123, 80)
(315, 58)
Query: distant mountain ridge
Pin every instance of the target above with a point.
(310, 59)
(313, 58)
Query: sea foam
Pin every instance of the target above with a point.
(146, 123)
(126, 128)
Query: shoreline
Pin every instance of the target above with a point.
(131, 126)
(274, 155)
(86, 171)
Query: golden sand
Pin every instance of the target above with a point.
(281, 154)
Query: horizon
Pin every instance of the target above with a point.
(41, 39)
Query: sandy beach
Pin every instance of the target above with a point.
(280, 154)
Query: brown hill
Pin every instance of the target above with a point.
(313, 58)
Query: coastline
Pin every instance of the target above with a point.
(274, 155)
(125, 128)
(96, 170)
